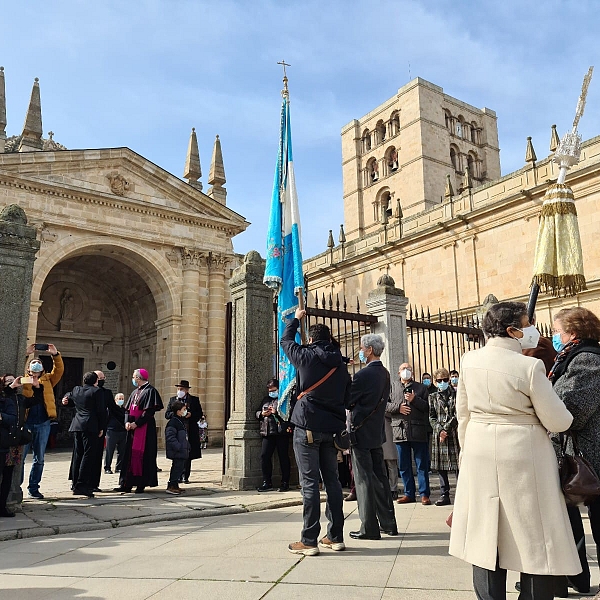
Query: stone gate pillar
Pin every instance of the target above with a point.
(388, 303)
(18, 247)
(251, 367)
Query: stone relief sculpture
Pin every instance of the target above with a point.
(118, 184)
(66, 306)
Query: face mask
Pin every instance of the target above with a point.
(100, 382)
(558, 345)
(531, 337)
(442, 385)
(426, 382)
(180, 393)
(454, 380)
(36, 367)
(273, 394)
(134, 382)
(362, 357)
(405, 374)
(184, 412)
(120, 402)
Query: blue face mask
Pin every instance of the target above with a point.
(558, 345)
(362, 357)
(442, 385)
(273, 394)
(134, 382)
(426, 382)
(454, 380)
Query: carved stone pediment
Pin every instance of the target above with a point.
(118, 184)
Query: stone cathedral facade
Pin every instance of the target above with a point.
(134, 262)
(425, 203)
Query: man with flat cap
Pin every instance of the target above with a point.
(193, 415)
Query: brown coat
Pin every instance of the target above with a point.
(48, 380)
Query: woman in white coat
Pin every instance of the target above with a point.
(509, 511)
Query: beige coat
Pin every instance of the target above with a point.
(508, 498)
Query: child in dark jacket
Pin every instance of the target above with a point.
(178, 447)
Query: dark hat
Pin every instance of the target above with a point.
(184, 383)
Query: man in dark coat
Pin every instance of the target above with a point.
(108, 399)
(139, 463)
(87, 427)
(193, 415)
(409, 407)
(317, 416)
(368, 400)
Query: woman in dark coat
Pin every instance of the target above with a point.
(274, 432)
(139, 462)
(13, 408)
(576, 379)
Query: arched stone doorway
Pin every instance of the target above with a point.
(102, 306)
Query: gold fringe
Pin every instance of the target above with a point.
(562, 285)
(559, 190)
(558, 208)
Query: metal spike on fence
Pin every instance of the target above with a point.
(323, 301)
(428, 315)
(357, 304)
(337, 302)
(440, 314)
(345, 304)
(422, 313)
(330, 301)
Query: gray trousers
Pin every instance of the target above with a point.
(491, 585)
(375, 505)
(392, 471)
(314, 456)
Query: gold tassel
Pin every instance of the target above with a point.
(569, 285)
(551, 209)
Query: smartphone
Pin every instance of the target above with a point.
(26, 380)
(42, 347)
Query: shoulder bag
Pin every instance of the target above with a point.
(578, 480)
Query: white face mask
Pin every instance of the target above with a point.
(184, 412)
(531, 337)
(181, 393)
(406, 374)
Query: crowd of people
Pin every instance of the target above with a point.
(102, 424)
(501, 420)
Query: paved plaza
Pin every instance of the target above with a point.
(241, 556)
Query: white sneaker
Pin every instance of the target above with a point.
(327, 543)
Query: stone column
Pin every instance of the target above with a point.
(190, 318)
(252, 350)
(18, 247)
(215, 375)
(388, 303)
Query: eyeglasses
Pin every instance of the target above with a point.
(446, 379)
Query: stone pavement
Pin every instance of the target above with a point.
(75, 548)
(241, 557)
(61, 512)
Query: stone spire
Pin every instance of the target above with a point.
(342, 237)
(330, 242)
(530, 156)
(192, 171)
(554, 139)
(32, 129)
(216, 176)
(2, 111)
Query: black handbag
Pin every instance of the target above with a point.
(9, 436)
(341, 440)
(578, 480)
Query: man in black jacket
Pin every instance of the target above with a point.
(368, 399)
(90, 413)
(409, 407)
(317, 416)
(193, 415)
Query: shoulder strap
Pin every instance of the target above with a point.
(316, 385)
(383, 398)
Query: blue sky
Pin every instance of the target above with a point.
(142, 74)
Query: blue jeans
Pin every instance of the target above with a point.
(40, 432)
(312, 457)
(421, 452)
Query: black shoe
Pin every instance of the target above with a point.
(108, 472)
(83, 492)
(443, 501)
(284, 487)
(265, 487)
(185, 480)
(389, 531)
(122, 490)
(140, 489)
(4, 512)
(97, 490)
(357, 535)
(37, 495)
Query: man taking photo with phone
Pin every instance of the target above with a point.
(41, 415)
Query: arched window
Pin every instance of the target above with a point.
(459, 126)
(366, 140)
(380, 128)
(472, 162)
(395, 123)
(372, 171)
(474, 132)
(454, 157)
(448, 120)
(391, 159)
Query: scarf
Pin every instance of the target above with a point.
(558, 368)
